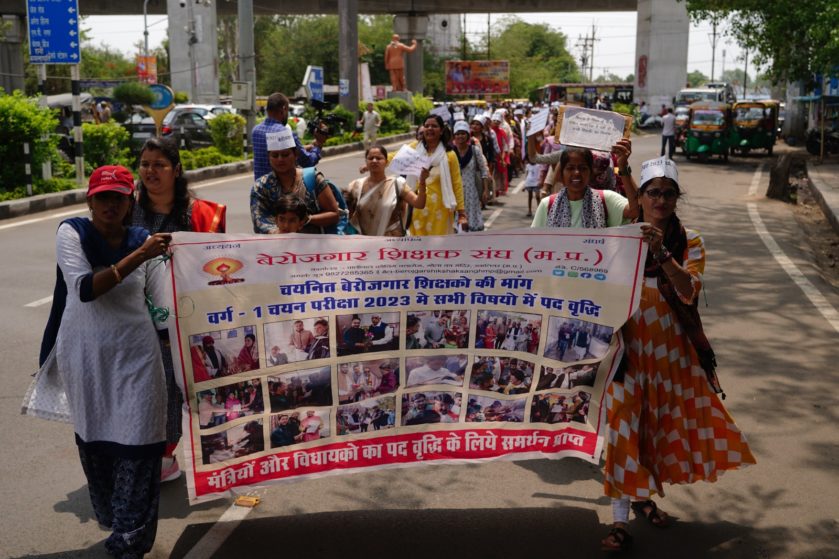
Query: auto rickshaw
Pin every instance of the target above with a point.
(755, 126)
(682, 114)
(709, 130)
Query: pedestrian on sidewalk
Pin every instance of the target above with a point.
(666, 421)
(370, 122)
(166, 205)
(668, 133)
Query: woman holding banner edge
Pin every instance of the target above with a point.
(101, 339)
(666, 420)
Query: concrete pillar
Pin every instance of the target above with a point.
(410, 27)
(348, 53)
(194, 66)
(247, 62)
(661, 52)
(11, 53)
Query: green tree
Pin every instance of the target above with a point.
(537, 53)
(161, 52)
(228, 50)
(792, 39)
(22, 120)
(133, 93)
(285, 45)
(696, 78)
(735, 76)
(608, 78)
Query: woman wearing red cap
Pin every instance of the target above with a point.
(102, 341)
(165, 204)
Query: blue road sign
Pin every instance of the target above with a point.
(314, 82)
(163, 96)
(53, 31)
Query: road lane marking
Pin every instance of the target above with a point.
(39, 302)
(756, 178)
(811, 291)
(219, 532)
(44, 218)
(488, 223)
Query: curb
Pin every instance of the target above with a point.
(55, 200)
(819, 188)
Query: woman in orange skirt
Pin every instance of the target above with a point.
(666, 421)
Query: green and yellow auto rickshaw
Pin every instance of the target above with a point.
(709, 130)
(755, 126)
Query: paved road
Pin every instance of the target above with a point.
(778, 357)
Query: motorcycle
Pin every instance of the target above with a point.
(831, 142)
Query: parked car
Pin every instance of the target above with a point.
(216, 109)
(187, 124)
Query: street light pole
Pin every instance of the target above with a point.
(145, 31)
(191, 43)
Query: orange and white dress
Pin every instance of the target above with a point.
(666, 424)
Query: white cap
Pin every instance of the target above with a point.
(518, 112)
(497, 116)
(660, 167)
(280, 140)
(461, 126)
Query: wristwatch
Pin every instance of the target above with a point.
(625, 174)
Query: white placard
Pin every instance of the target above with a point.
(538, 123)
(408, 161)
(443, 112)
(589, 128)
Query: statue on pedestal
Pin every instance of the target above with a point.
(395, 61)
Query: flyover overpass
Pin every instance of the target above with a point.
(660, 53)
(271, 7)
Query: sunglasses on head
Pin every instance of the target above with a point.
(656, 193)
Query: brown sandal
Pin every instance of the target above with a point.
(617, 540)
(649, 510)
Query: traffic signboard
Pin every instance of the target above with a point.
(53, 31)
(313, 82)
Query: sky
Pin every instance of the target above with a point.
(613, 52)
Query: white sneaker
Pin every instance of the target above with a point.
(169, 470)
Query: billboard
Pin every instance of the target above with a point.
(477, 77)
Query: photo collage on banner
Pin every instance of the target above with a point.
(354, 370)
